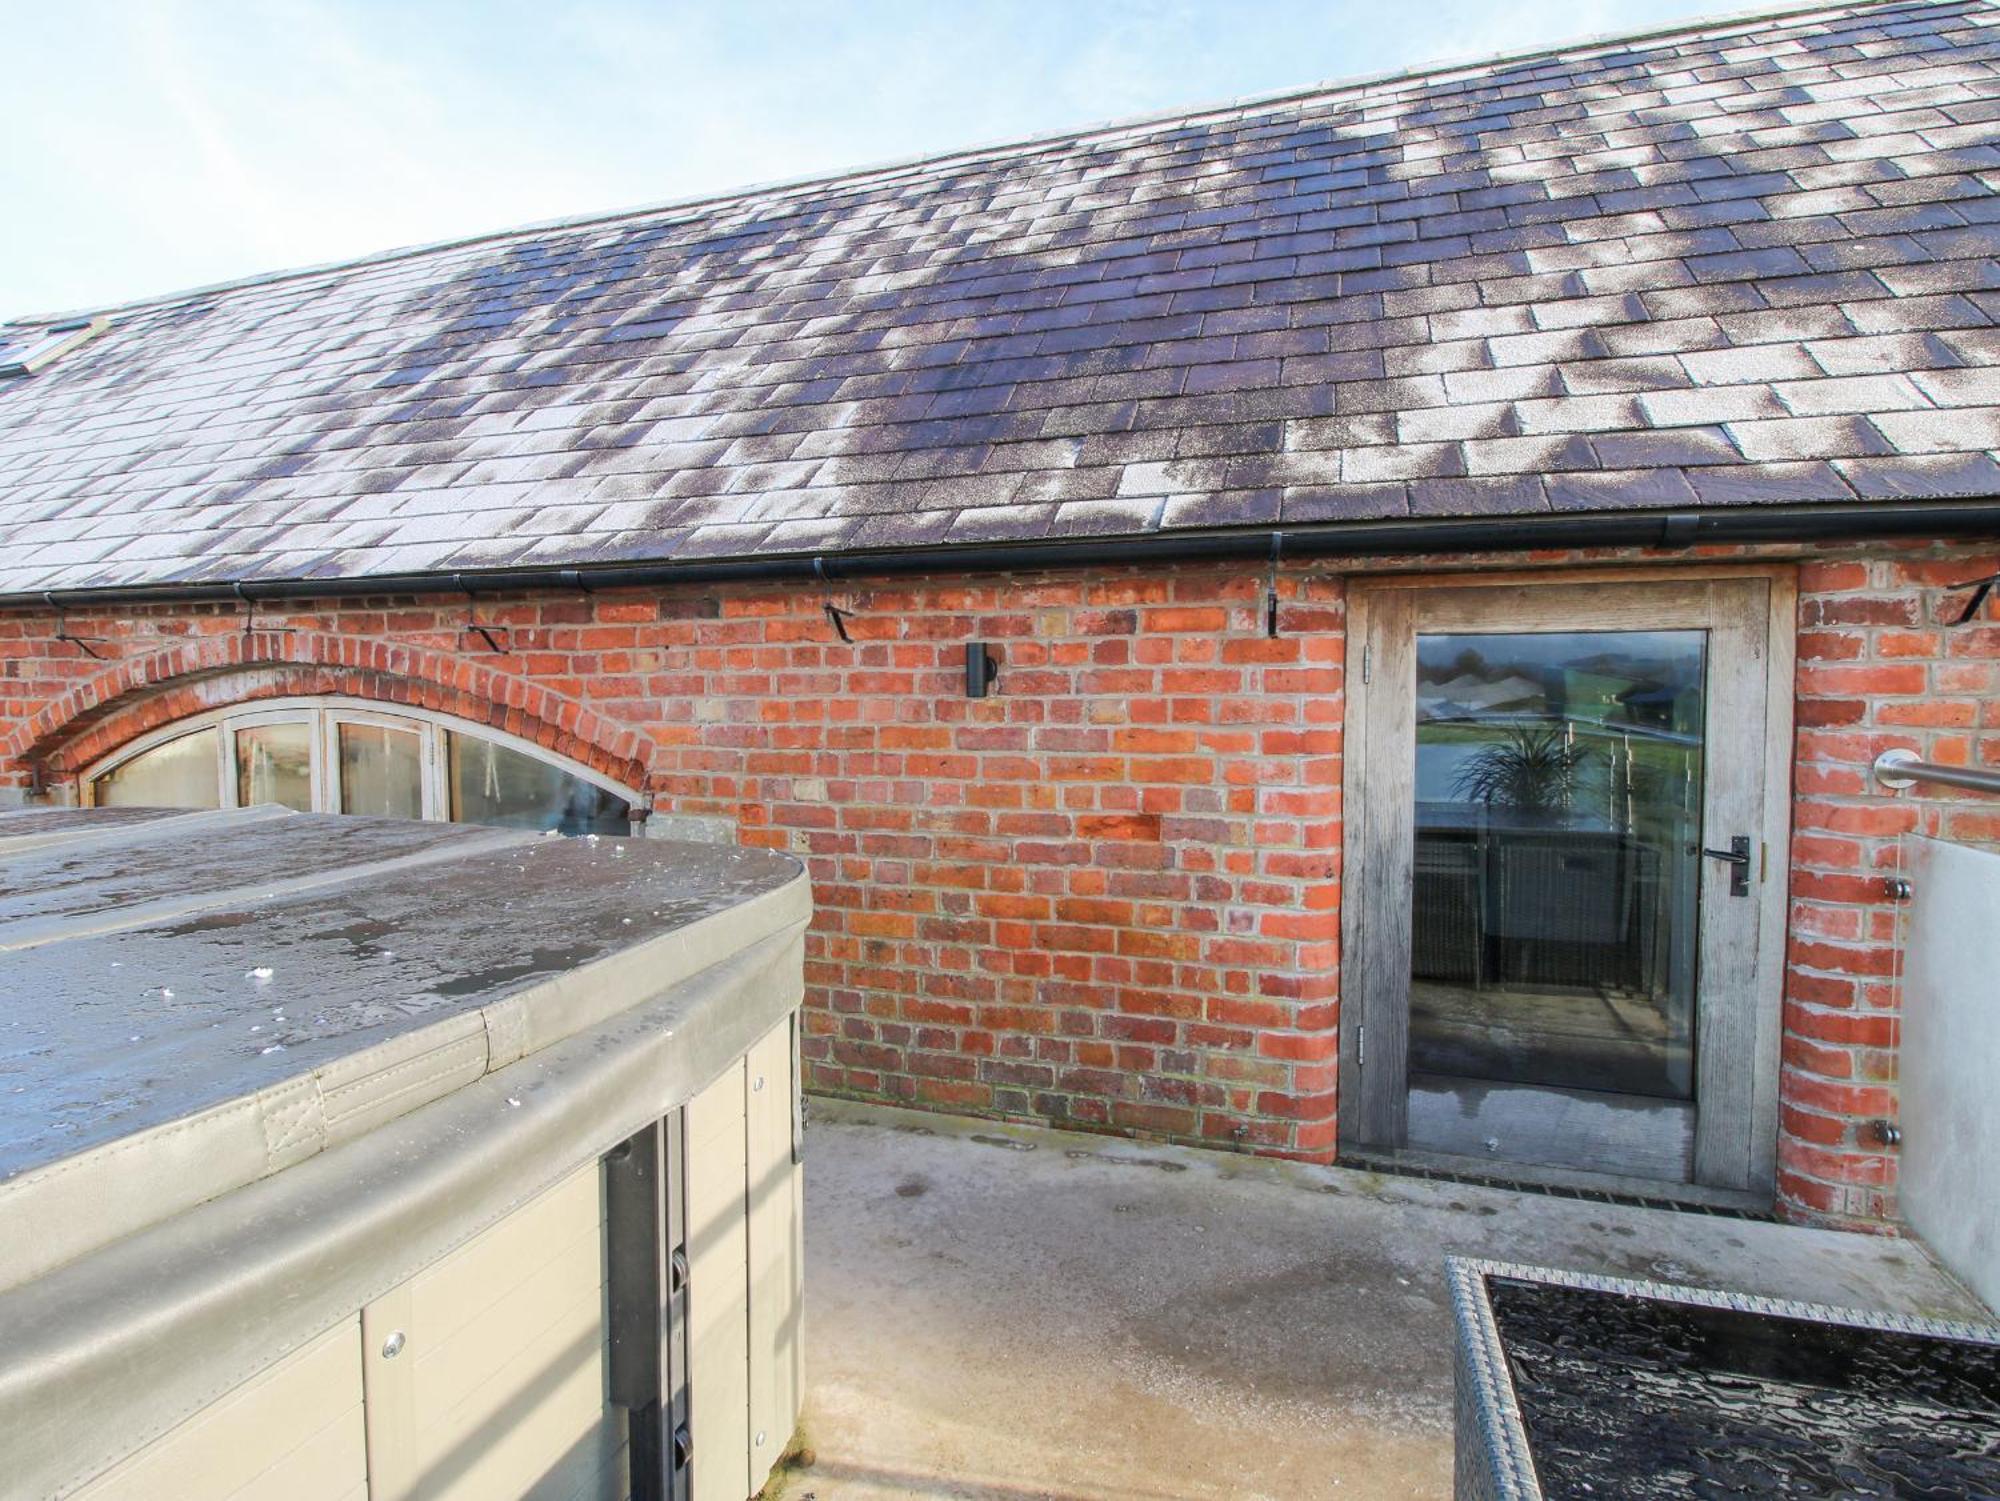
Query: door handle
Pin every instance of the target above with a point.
(1738, 858)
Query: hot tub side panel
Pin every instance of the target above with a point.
(295, 1432)
(777, 1250)
(484, 1375)
(746, 1270)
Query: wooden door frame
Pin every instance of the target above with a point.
(1372, 603)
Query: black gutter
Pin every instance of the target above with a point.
(1934, 520)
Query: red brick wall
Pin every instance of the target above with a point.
(1106, 895)
(1879, 668)
(1109, 894)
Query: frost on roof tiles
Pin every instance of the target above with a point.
(1747, 262)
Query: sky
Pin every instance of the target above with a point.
(158, 145)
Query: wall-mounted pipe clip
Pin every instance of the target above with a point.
(1271, 589)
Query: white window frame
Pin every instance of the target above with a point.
(324, 716)
(435, 774)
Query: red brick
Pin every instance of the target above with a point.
(1861, 682)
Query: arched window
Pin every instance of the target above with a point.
(336, 755)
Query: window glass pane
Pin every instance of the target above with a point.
(274, 765)
(381, 771)
(493, 784)
(1558, 822)
(183, 773)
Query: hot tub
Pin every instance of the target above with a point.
(1573, 1386)
(347, 1158)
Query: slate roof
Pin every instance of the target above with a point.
(1751, 262)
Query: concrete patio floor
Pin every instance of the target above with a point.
(1007, 1313)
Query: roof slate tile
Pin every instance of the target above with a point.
(1800, 438)
(1623, 489)
(1769, 484)
(1706, 405)
(1855, 393)
(1479, 385)
(1754, 362)
(1978, 385)
(1578, 414)
(1536, 455)
(1394, 461)
(1679, 447)
(1915, 314)
(1434, 424)
(1223, 508)
(1511, 495)
(1307, 503)
(1952, 431)
(1917, 476)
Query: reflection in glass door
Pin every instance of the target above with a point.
(1556, 817)
(1558, 809)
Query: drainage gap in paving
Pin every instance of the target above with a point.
(1392, 1167)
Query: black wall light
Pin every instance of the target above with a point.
(982, 670)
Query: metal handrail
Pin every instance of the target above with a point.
(1904, 768)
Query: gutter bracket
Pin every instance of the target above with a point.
(86, 644)
(473, 624)
(250, 624)
(1980, 589)
(836, 617)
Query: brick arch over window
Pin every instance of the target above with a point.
(144, 693)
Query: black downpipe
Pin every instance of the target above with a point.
(1939, 520)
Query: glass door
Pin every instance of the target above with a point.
(1561, 878)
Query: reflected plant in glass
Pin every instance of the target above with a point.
(1530, 768)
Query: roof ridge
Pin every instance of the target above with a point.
(1790, 11)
